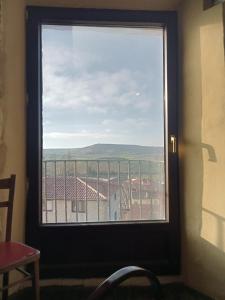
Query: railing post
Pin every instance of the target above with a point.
(98, 187)
(55, 182)
(46, 202)
(86, 204)
(109, 190)
(119, 185)
(129, 177)
(65, 177)
(140, 183)
(75, 178)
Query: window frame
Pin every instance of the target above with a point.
(78, 206)
(155, 245)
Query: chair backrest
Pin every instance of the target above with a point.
(8, 184)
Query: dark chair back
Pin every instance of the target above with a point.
(8, 184)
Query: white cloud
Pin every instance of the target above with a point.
(68, 84)
(78, 139)
(82, 89)
(126, 125)
(96, 109)
(83, 133)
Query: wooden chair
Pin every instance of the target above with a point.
(104, 288)
(14, 255)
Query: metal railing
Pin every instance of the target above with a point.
(77, 191)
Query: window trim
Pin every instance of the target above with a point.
(161, 241)
(78, 206)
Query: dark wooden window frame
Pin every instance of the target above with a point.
(69, 250)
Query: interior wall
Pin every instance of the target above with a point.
(202, 147)
(202, 118)
(13, 87)
(12, 106)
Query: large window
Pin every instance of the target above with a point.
(103, 123)
(102, 139)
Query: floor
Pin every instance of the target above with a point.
(170, 292)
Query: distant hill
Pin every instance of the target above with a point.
(107, 152)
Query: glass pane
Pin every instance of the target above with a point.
(103, 124)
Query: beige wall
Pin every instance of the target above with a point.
(12, 150)
(203, 147)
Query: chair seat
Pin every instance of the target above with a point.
(14, 254)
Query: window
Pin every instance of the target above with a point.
(102, 157)
(80, 204)
(103, 113)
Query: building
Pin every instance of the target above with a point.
(74, 199)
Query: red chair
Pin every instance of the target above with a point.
(14, 255)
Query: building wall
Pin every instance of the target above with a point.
(57, 212)
(202, 147)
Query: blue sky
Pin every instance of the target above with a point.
(102, 85)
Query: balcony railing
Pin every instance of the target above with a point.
(77, 191)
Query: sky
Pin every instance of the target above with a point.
(102, 85)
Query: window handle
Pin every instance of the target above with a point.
(173, 143)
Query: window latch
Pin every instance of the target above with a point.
(173, 143)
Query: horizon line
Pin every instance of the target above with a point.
(104, 144)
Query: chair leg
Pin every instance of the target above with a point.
(5, 283)
(35, 281)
